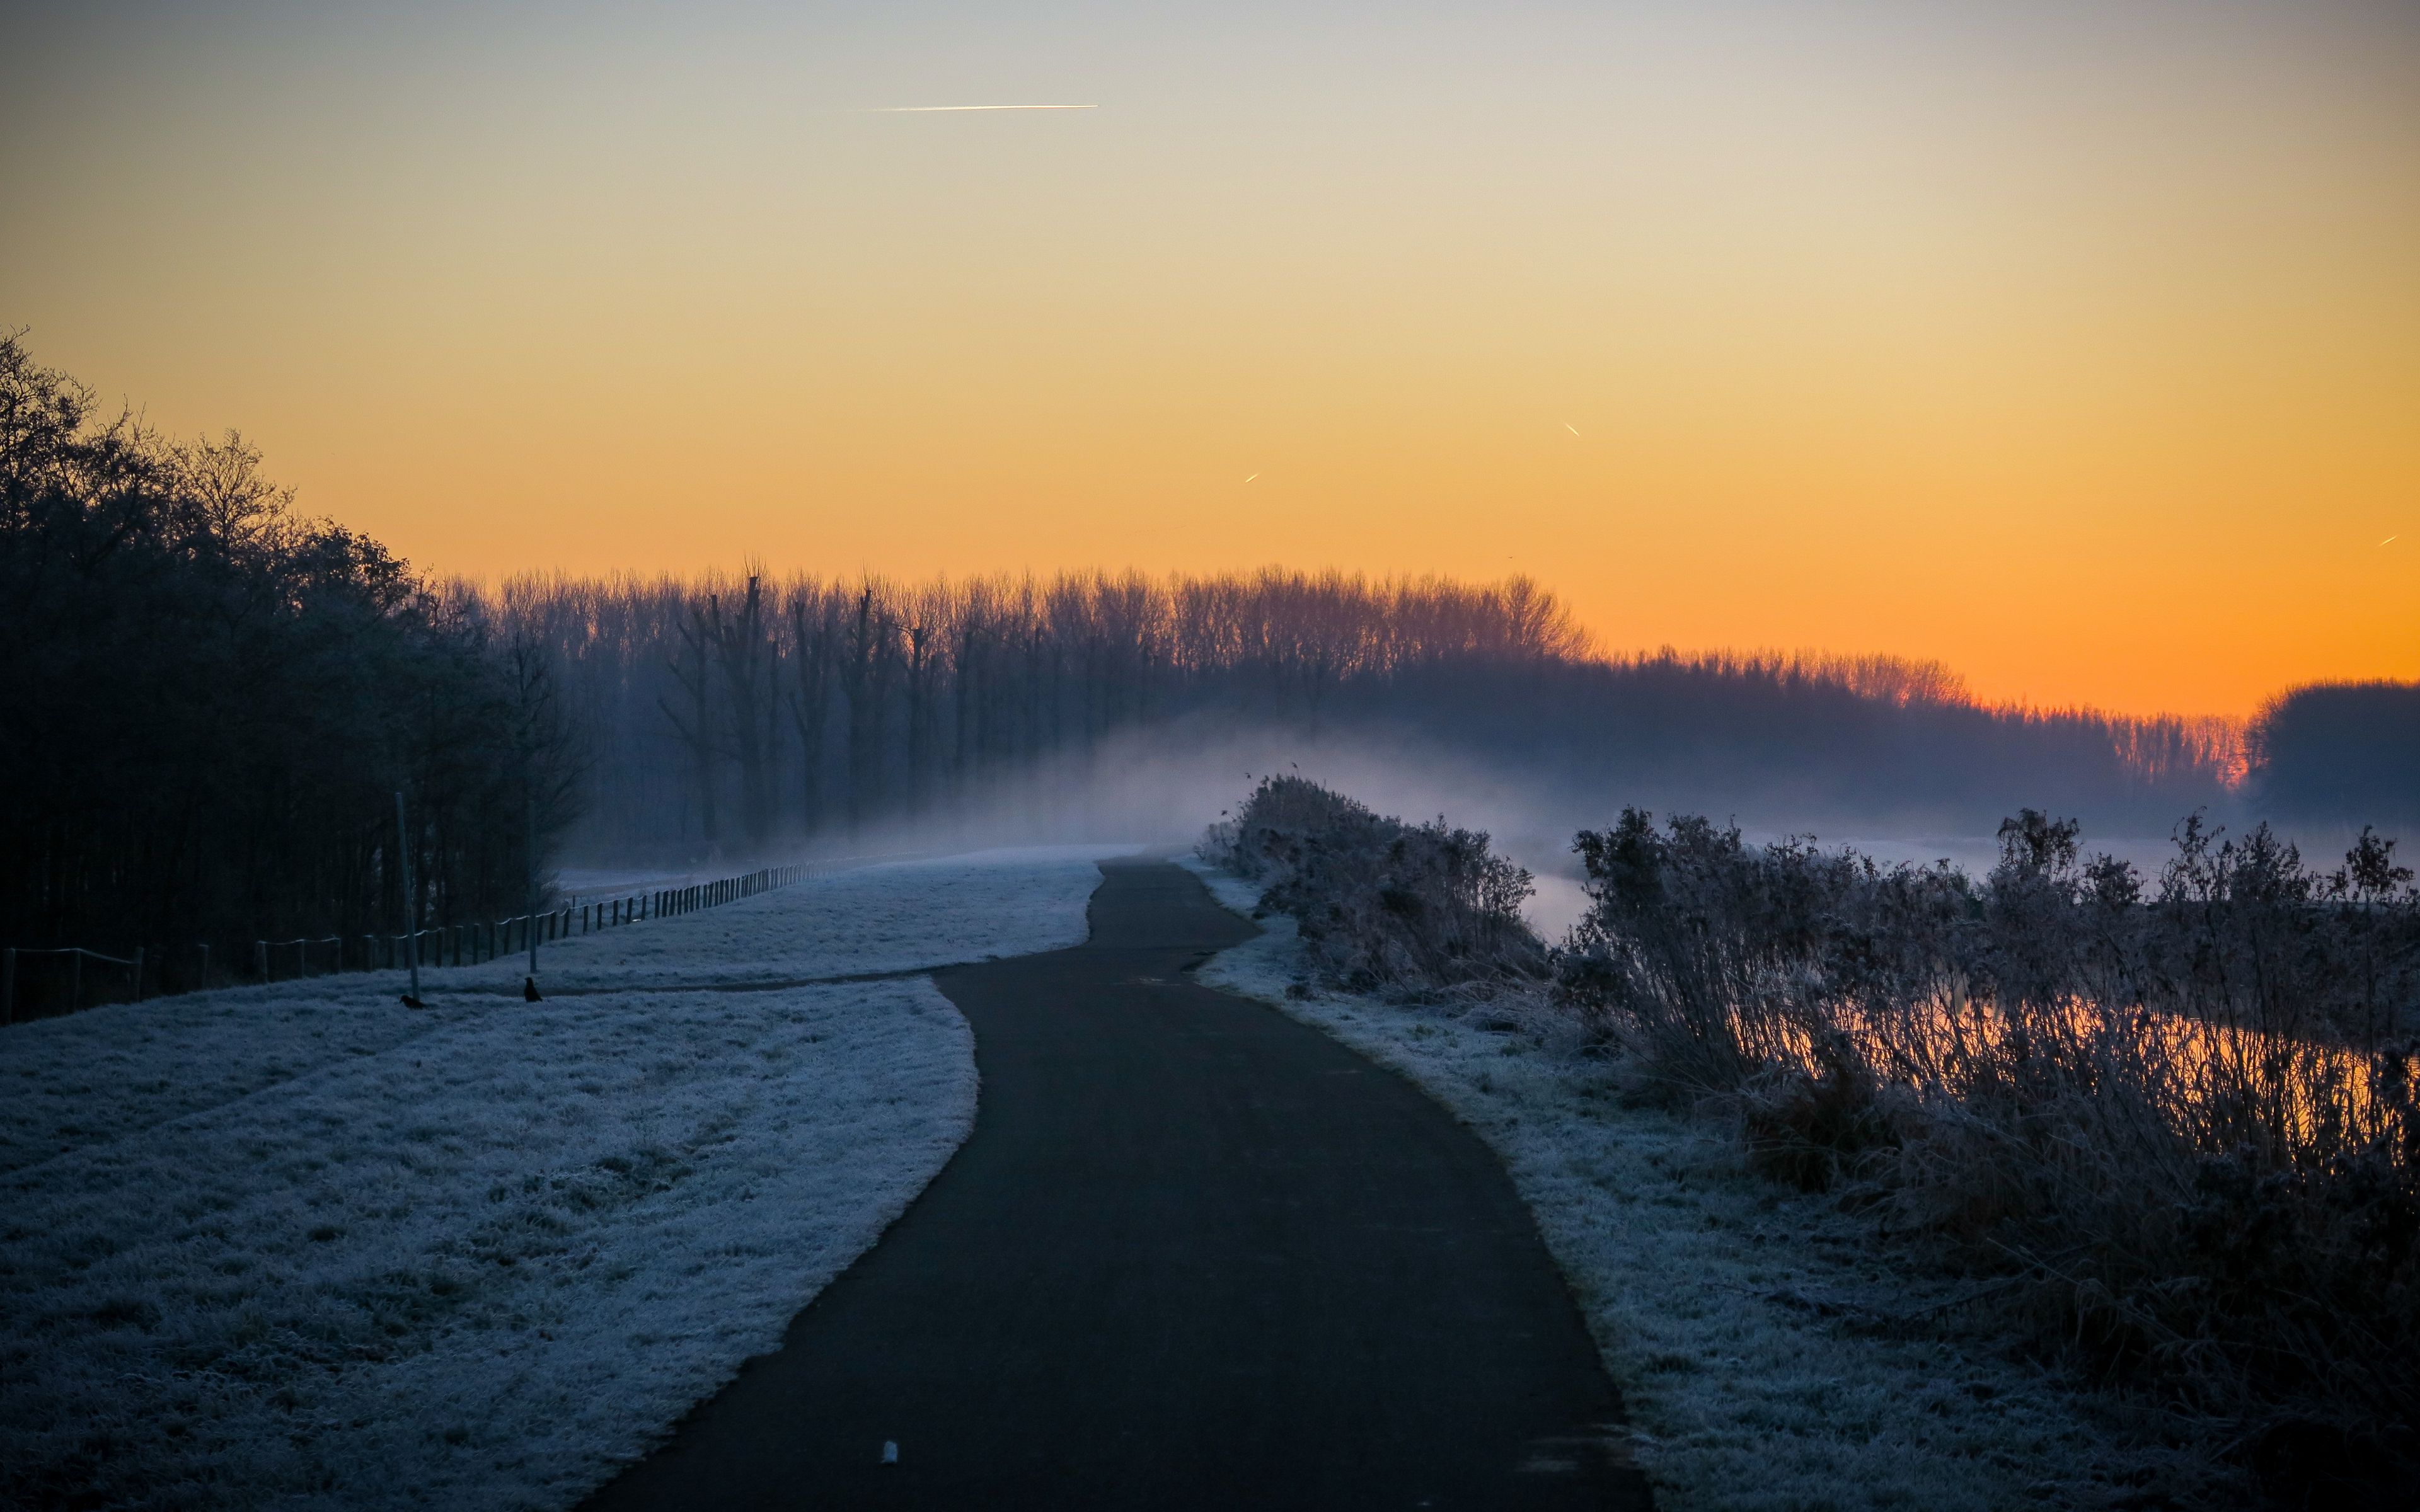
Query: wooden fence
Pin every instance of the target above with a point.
(457, 944)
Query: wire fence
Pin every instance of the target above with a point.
(39, 982)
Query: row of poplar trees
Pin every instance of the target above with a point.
(732, 714)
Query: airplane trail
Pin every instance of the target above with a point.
(924, 109)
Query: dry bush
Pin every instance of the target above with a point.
(1382, 904)
(2180, 1130)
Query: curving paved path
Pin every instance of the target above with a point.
(1194, 1255)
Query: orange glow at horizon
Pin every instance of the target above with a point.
(2075, 347)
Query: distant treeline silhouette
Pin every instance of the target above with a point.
(737, 713)
(2340, 753)
(207, 705)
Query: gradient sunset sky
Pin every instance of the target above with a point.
(2076, 344)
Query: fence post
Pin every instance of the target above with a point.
(410, 915)
(139, 973)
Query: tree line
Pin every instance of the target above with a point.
(209, 701)
(2340, 753)
(733, 714)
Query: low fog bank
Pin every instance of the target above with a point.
(1162, 786)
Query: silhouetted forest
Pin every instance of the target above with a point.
(735, 714)
(2340, 753)
(207, 703)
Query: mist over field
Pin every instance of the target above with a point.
(1165, 787)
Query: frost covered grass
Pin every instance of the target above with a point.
(300, 1245)
(1773, 1354)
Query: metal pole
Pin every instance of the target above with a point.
(529, 829)
(403, 856)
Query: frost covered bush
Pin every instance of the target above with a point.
(2177, 1131)
(1382, 902)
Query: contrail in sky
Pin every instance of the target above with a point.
(920, 110)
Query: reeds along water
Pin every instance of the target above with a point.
(2251, 1000)
(2211, 1088)
(2179, 1130)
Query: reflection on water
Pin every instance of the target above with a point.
(2219, 1085)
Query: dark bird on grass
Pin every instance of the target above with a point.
(529, 991)
(410, 1001)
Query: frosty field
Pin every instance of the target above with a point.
(297, 1245)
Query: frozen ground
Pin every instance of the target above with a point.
(1771, 1354)
(300, 1247)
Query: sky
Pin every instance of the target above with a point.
(2074, 345)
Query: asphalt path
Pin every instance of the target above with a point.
(1194, 1255)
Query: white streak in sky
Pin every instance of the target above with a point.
(1569, 427)
(924, 109)
(2390, 540)
(1254, 475)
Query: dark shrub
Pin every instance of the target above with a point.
(1381, 901)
